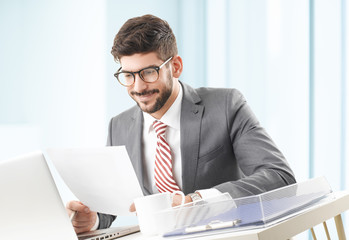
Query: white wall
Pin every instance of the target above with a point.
(52, 76)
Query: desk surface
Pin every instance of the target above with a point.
(282, 230)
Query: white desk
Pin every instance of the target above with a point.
(285, 229)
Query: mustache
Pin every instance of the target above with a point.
(145, 92)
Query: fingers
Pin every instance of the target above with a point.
(77, 206)
(84, 219)
(83, 222)
(79, 223)
(132, 207)
(177, 200)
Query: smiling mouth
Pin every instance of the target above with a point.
(145, 96)
(145, 93)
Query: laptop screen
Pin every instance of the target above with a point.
(30, 205)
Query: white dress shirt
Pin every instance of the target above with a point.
(173, 136)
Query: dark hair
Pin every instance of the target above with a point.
(145, 34)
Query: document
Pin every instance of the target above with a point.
(101, 178)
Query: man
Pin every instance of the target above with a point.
(201, 141)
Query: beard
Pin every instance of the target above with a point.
(166, 92)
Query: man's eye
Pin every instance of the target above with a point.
(128, 75)
(148, 72)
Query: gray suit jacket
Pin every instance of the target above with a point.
(223, 145)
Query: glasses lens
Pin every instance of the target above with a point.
(149, 74)
(126, 79)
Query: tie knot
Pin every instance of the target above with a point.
(159, 127)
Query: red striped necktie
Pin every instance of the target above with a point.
(163, 161)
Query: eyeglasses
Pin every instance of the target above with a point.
(148, 75)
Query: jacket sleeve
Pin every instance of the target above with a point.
(263, 165)
(105, 220)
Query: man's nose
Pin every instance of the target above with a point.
(139, 84)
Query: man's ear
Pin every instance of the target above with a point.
(177, 66)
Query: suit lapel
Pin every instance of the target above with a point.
(191, 116)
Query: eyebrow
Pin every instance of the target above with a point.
(153, 65)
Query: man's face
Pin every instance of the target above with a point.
(150, 97)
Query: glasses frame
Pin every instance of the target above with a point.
(139, 73)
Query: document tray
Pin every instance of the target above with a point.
(263, 209)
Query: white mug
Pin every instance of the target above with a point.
(148, 206)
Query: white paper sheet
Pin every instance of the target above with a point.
(101, 178)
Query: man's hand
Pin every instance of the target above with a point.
(132, 207)
(177, 200)
(84, 219)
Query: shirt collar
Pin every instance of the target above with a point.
(171, 118)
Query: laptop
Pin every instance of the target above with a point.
(31, 207)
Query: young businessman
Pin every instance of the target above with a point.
(201, 141)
